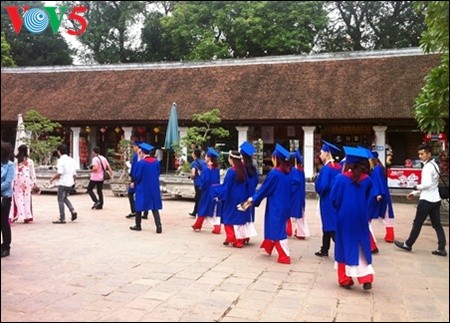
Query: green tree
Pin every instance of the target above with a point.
(431, 105)
(109, 38)
(28, 49)
(204, 134)
(202, 30)
(42, 143)
(367, 25)
(7, 60)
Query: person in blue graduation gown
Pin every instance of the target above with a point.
(247, 150)
(277, 189)
(131, 191)
(146, 184)
(350, 196)
(297, 221)
(234, 189)
(207, 206)
(323, 184)
(383, 209)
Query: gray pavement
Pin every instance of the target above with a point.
(96, 269)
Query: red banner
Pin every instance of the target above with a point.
(403, 177)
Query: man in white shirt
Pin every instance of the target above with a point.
(66, 175)
(429, 203)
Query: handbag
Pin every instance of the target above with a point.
(106, 175)
(442, 188)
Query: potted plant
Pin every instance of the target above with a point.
(120, 165)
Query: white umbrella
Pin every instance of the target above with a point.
(20, 134)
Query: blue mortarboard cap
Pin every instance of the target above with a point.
(247, 148)
(212, 153)
(328, 146)
(281, 152)
(368, 152)
(298, 156)
(145, 147)
(356, 155)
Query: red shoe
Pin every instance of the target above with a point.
(267, 245)
(216, 229)
(27, 220)
(247, 240)
(284, 260)
(389, 237)
(301, 238)
(239, 243)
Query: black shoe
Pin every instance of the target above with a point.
(321, 254)
(192, 214)
(158, 229)
(136, 228)
(402, 245)
(439, 252)
(367, 286)
(74, 216)
(145, 217)
(5, 253)
(99, 207)
(95, 205)
(131, 215)
(59, 221)
(375, 250)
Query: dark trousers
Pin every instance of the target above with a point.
(425, 208)
(131, 200)
(156, 217)
(198, 195)
(326, 240)
(5, 227)
(90, 190)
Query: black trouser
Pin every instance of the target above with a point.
(5, 227)
(198, 195)
(425, 208)
(90, 190)
(156, 217)
(326, 240)
(131, 200)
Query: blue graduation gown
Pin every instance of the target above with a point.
(277, 189)
(351, 202)
(298, 192)
(231, 193)
(380, 187)
(146, 179)
(252, 183)
(323, 188)
(208, 178)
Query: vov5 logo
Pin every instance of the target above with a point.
(36, 20)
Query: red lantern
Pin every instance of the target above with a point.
(140, 130)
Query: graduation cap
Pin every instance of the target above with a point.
(327, 146)
(298, 155)
(247, 149)
(145, 147)
(281, 152)
(356, 155)
(212, 153)
(368, 152)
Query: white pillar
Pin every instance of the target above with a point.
(183, 133)
(380, 142)
(242, 135)
(127, 132)
(308, 151)
(76, 146)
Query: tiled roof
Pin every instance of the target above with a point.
(377, 86)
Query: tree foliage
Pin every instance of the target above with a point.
(27, 49)
(42, 143)
(202, 30)
(368, 25)
(7, 60)
(431, 105)
(109, 38)
(199, 135)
